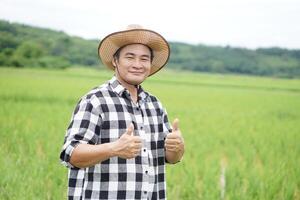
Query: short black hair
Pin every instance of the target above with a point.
(117, 53)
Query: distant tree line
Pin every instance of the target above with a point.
(27, 46)
(263, 61)
(23, 46)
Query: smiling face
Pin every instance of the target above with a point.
(133, 64)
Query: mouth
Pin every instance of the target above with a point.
(136, 73)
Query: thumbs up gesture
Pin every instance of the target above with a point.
(128, 146)
(174, 141)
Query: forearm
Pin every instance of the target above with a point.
(173, 157)
(86, 155)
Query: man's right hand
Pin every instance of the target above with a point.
(128, 146)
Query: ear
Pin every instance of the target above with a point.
(114, 62)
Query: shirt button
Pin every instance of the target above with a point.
(145, 192)
(146, 171)
(141, 128)
(144, 150)
(137, 108)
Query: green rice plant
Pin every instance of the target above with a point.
(241, 133)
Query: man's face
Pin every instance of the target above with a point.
(134, 64)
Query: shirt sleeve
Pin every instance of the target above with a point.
(166, 124)
(84, 128)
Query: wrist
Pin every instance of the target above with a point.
(113, 149)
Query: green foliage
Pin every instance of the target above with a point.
(23, 46)
(247, 126)
(51, 61)
(7, 40)
(264, 62)
(26, 46)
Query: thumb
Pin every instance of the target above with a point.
(130, 129)
(175, 124)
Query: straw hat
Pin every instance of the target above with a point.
(135, 34)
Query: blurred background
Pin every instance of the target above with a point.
(232, 80)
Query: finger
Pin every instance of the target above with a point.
(137, 152)
(134, 153)
(176, 124)
(168, 146)
(137, 146)
(130, 129)
(170, 139)
(173, 141)
(173, 136)
(172, 149)
(176, 143)
(137, 139)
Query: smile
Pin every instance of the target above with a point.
(136, 73)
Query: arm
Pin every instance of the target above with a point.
(85, 155)
(81, 148)
(127, 146)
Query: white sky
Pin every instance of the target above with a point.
(238, 23)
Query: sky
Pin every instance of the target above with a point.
(237, 23)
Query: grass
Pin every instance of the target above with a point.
(249, 126)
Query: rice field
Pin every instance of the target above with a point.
(242, 133)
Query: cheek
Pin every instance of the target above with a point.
(123, 68)
(148, 69)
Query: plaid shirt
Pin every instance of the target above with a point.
(102, 116)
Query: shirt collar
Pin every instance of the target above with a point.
(118, 88)
(142, 94)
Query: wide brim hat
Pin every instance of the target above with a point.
(135, 34)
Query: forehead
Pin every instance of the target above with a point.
(138, 49)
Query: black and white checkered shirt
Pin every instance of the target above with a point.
(102, 116)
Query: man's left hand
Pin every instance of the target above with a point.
(174, 141)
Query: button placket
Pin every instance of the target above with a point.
(141, 128)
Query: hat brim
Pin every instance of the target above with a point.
(111, 43)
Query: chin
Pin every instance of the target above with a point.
(136, 80)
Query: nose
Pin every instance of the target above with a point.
(137, 64)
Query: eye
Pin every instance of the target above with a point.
(145, 59)
(129, 57)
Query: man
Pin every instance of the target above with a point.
(119, 137)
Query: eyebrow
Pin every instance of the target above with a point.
(132, 54)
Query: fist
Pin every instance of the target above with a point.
(128, 146)
(174, 141)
